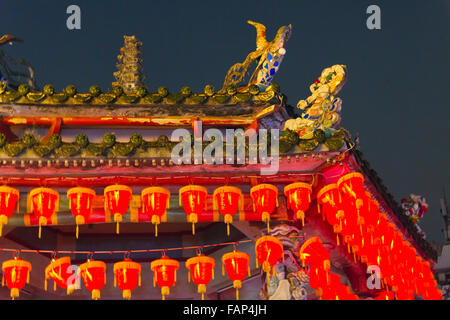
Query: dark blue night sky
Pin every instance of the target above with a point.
(396, 97)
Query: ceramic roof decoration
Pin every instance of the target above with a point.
(116, 150)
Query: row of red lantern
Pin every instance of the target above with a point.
(328, 285)
(367, 232)
(227, 200)
(127, 274)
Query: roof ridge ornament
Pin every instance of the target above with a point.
(321, 110)
(130, 73)
(270, 55)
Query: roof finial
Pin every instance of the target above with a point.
(130, 74)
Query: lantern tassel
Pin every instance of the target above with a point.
(202, 289)
(14, 293)
(42, 221)
(301, 216)
(194, 219)
(228, 219)
(117, 219)
(165, 291)
(156, 220)
(237, 284)
(126, 294)
(95, 294)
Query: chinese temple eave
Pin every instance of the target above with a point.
(393, 210)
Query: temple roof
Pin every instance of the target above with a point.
(394, 206)
(117, 96)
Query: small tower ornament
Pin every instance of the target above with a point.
(130, 73)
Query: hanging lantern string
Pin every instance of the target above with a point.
(128, 252)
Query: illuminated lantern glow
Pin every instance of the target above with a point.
(201, 269)
(193, 200)
(265, 199)
(44, 203)
(59, 270)
(16, 272)
(386, 295)
(312, 252)
(155, 201)
(269, 250)
(237, 265)
(330, 199)
(227, 201)
(351, 185)
(93, 273)
(80, 203)
(354, 194)
(329, 290)
(298, 197)
(165, 274)
(117, 200)
(9, 197)
(127, 275)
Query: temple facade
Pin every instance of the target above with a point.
(119, 190)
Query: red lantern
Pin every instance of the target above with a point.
(44, 203)
(165, 274)
(8, 199)
(117, 199)
(16, 272)
(269, 250)
(355, 195)
(329, 290)
(313, 252)
(265, 199)
(93, 273)
(80, 203)
(228, 200)
(193, 199)
(201, 269)
(60, 271)
(155, 201)
(330, 199)
(237, 265)
(385, 295)
(298, 196)
(351, 185)
(127, 275)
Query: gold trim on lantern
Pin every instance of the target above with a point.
(35, 191)
(235, 254)
(92, 264)
(306, 244)
(44, 190)
(155, 190)
(191, 187)
(268, 238)
(264, 186)
(56, 264)
(80, 190)
(164, 261)
(16, 263)
(296, 185)
(325, 189)
(8, 189)
(117, 187)
(350, 176)
(126, 265)
(200, 259)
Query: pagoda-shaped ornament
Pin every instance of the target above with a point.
(130, 73)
